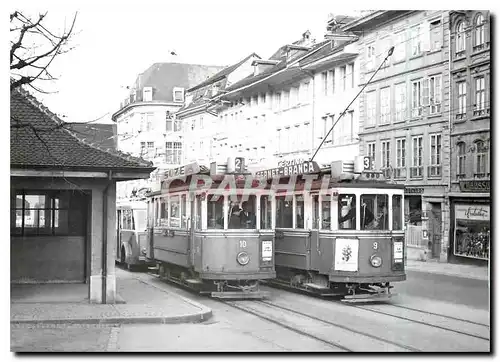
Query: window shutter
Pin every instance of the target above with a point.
(425, 93)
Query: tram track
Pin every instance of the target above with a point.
(423, 322)
(272, 318)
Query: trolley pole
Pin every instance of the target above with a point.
(389, 53)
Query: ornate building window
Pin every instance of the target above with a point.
(460, 38)
(479, 32)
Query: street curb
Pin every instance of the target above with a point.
(187, 318)
(447, 274)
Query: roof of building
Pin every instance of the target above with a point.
(39, 139)
(163, 77)
(103, 134)
(281, 65)
(224, 72)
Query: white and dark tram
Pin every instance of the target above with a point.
(339, 231)
(210, 231)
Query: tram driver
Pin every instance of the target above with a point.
(247, 218)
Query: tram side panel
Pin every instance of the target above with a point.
(293, 249)
(172, 246)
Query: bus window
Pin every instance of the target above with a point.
(242, 213)
(299, 211)
(215, 213)
(175, 212)
(140, 219)
(284, 212)
(183, 212)
(347, 212)
(265, 212)
(198, 213)
(127, 219)
(326, 212)
(373, 213)
(397, 212)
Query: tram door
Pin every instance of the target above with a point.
(315, 243)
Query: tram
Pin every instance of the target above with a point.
(339, 230)
(210, 230)
(131, 233)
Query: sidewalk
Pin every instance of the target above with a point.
(144, 303)
(458, 270)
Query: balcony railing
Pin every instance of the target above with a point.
(479, 112)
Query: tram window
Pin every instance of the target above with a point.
(163, 213)
(183, 211)
(373, 213)
(315, 212)
(265, 212)
(284, 212)
(242, 213)
(299, 211)
(397, 212)
(326, 212)
(215, 214)
(347, 211)
(128, 220)
(175, 212)
(198, 212)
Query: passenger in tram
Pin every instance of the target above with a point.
(234, 218)
(247, 218)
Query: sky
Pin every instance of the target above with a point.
(115, 41)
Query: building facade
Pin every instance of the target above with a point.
(286, 107)
(404, 124)
(146, 123)
(200, 124)
(470, 137)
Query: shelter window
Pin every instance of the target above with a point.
(215, 213)
(48, 213)
(374, 212)
(284, 212)
(347, 212)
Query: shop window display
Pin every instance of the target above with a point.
(472, 231)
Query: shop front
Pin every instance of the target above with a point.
(470, 224)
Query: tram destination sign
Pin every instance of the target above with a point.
(185, 170)
(290, 168)
(475, 186)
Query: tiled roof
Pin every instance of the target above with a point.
(100, 133)
(224, 72)
(39, 139)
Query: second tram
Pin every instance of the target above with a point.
(339, 231)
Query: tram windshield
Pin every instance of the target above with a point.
(242, 213)
(347, 211)
(215, 213)
(374, 212)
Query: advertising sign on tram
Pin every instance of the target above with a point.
(288, 168)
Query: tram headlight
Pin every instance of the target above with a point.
(243, 258)
(375, 261)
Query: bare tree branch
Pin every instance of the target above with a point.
(32, 64)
